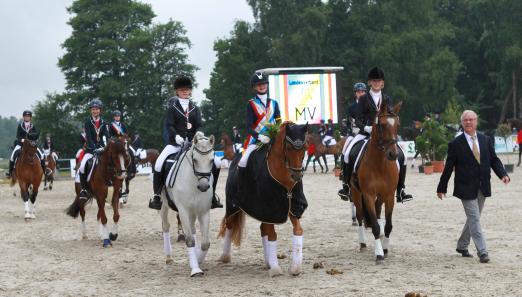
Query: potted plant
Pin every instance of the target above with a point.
(504, 131)
(440, 154)
(428, 168)
(437, 138)
(422, 146)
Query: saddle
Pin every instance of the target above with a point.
(169, 173)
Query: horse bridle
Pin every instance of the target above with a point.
(382, 145)
(198, 174)
(31, 159)
(297, 144)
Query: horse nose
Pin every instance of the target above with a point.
(297, 176)
(203, 187)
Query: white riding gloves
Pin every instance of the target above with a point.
(99, 151)
(179, 140)
(263, 138)
(356, 130)
(368, 129)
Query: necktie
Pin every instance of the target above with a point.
(476, 152)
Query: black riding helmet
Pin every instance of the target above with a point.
(258, 78)
(27, 113)
(376, 73)
(95, 103)
(183, 82)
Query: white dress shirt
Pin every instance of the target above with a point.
(376, 96)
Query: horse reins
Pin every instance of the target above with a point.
(297, 144)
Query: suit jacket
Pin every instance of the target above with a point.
(22, 133)
(95, 135)
(176, 120)
(367, 111)
(470, 176)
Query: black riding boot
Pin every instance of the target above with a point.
(42, 163)
(401, 194)
(157, 184)
(10, 171)
(344, 193)
(83, 185)
(216, 203)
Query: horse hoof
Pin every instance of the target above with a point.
(379, 259)
(45, 188)
(295, 270)
(196, 272)
(107, 243)
(169, 260)
(113, 237)
(276, 271)
(385, 252)
(354, 223)
(362, 247)
(50, 188)
(181, 237)
(225, 258)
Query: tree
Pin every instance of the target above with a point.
(8, 128)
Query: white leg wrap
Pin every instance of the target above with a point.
(378, 248)
(105, 232)
(167, 247)
(272, 254)
(227, 242)
(297, 255)
(200, 254)
(27, 210)
(264, 240)
(115, 228)
(361, 234)
(193, 261)
(386, 243)
(382, 222)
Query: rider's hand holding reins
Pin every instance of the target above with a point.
(179, 140)
(263, 138)
(368, 129)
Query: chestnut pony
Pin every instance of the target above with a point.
(375, 181)
(270, 191)
(111, 168)
(28, 173)
(228, 147)
(50, 170)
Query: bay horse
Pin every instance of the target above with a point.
(192, 196)
(28, 173)
(321, 150)
(375, 181)
(111, 169)
(271, 191)
(50, 170)
(150, 157)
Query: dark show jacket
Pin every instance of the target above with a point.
(470, 176)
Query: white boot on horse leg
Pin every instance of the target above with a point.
(193, 261)
(379, 253)
(264, 240)
(27, 211)
(227, 247)
(361, 234)
(114, 233)
(32, 210)
(105, 237)
(297, 255)
(167, 248)
(274, 270)
(83, 230)
(385, 245)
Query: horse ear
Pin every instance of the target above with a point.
(195, 139)
(212, 139)
(397, 107)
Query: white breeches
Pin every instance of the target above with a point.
(17, 147)
(167, 151)
(86, 158)
(48, 151)
(244, 159)
(345, 147)
(329, 138)
(355, 140)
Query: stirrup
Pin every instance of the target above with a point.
(155, 202)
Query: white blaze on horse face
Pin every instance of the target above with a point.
(391, 121)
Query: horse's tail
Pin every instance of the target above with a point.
(74, 209)
(236, 223)
(366, 213)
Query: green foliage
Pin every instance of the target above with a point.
(271, 131)
(432, 144)
(117, 54)
(337, 135)
(504, 131)
(7, 135)
(452, 112)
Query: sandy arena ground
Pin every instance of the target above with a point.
(46, 257)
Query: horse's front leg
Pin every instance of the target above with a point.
(388, 227)
(204, 225)
(268, 230)
(181, 234)
(370, 205)
(102, 220)
(24, 192)
(378, 210)
(297, 246)
(165, 226)
(32, 205)
(116, 211)
(361, 234)
(187, 221)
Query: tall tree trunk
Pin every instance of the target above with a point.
(504, 107)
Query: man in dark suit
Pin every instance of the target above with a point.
(472, 155)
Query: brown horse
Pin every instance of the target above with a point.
(228, 147)
(274, 176)
(375, 181)
(321, 150)
(151, 157)
(111, 168)
(50, 170)
(28, 173)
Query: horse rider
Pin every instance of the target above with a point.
(136, 146)
(236, 140)
(368, 107)
(117, 128)
(345, 129)
(359, 89)
(95, 130)
(322, 129)
(26, 130)
(49, 148)
(183, 120)
(261, 112)
(328, 138)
